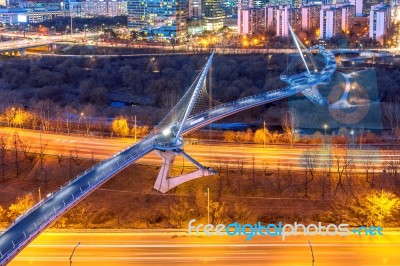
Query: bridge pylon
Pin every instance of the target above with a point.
(169, 141)
(165, 181)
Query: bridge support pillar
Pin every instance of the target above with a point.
(23, 52)
(165, 182)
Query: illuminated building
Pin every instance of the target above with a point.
(335, 19)
(10, 16)
(158, 18)
(284, 15)
(310, 17)
(213, 15)
(379, 22)
(93, 8)
(251, 20)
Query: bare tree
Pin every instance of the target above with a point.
(290, 123)
(289, 179)
(121, 212)
(60, 156)
(3, 150)
(68, 110)
(45, 110)
(16, 144)
(227, 172)
(278, 179)
(59, 118)
(392, 165)
(391, 112)
(311, 164)
(240, 167)
(369, 170)
(219, 168)
(342, 163)
(88, 113)
(169, 99)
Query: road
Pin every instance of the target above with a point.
(157, 248)
(39, 40)
(208, 155)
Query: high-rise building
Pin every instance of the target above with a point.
(310, 17)
(335, 19)
(379, 22)
(348, 14)
(195, 9)
(359, 4)
(285, 15)
(270, 21)
(213, 15)
(251, 20)
(159, 18)
(33, 15)
(93, 8)
(280, 2)
(330, 21)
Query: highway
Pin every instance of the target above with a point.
(171, 248)
(39, 40)
(208, 154)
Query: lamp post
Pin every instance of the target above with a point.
(208, 205)
(352, 136)
(79, 121)
(72, 254)
(325, 128)
(70, 15)
(84, 29)
(135, 128)
(264, 135)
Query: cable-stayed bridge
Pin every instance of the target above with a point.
(303, 74)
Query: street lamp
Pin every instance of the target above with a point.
(208, 205)
(352, 136)
(72, 254)
(325, 127)
(84, 29)
(79, 121)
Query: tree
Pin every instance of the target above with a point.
(218, 212)
(3, 150)
(342, 163)
(88, 113)
(311, 163)
(21, 205)
(290, 123)
(141, 131)
(229, 136)
(16, 144)
(365, 209)
(120, 126)
(3, 214)
(261, 136)
(180, 212)
(381, 207)
(81, 214)
(20, 118)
